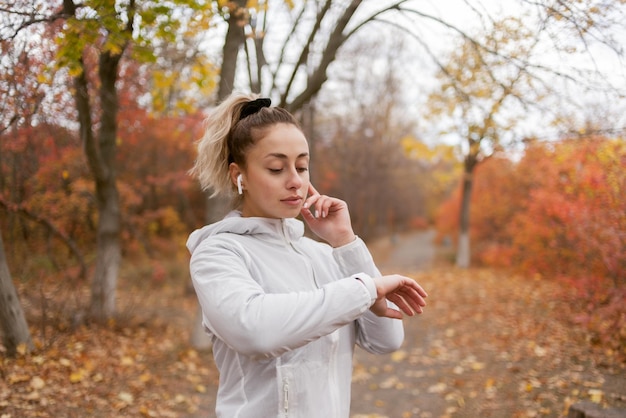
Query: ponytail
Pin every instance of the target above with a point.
(211, 165)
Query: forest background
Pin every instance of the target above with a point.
(506, 133)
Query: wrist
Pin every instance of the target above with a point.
(343, 239)
(369, 284)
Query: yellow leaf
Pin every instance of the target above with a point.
(77, 376)
(143, 410)
(478, 365)
(596, 395)
(398, 356)
(22, 349)
(17, 378)
(127, 361)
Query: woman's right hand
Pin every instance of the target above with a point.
(403, 291)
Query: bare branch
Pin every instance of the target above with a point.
(318, 77)
(306, 50)
(71, 244)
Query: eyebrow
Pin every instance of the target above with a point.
(285, 157)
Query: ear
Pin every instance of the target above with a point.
(234, 171)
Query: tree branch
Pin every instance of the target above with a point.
(318, 77)
(20, 210)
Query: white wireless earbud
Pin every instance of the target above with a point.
(239, 186)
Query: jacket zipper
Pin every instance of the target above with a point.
(333, 372)
(286, 396)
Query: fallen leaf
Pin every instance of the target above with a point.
(126, 397)
(78, 375)
(17, 378)
(596, 395)
(37, 383)
(398, 356)
(437, 388)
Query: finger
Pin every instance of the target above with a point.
(408, 300)
(310, 201)
(312, 190)
(407, 281)
(402, 304)
(413, 299)
(307, 215)
(413, 294)
(393, 313)
(383, 310)
(420, 290)
(323, 206)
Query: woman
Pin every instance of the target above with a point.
(284, 311)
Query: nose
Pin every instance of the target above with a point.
(295, 180)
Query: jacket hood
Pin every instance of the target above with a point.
(277, 230)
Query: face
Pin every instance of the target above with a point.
(276, 179)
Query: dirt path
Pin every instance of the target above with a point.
(386, 386)
(405, 252)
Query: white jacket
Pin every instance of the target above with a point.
(284, 313)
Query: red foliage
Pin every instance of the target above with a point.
(560, 212)
(43, 170)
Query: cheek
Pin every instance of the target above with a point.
(267, 185)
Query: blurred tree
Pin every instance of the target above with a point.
(473, 103)
(93, 38)
(489, 73)
(442, 164)
(358, 153)
(557, 212)
(14, 327)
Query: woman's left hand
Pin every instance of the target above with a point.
(332, 220)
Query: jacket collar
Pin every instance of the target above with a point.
(282, 231)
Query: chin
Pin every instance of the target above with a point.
(291, 213)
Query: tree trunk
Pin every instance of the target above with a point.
(235, 38)
(108, 258)
(101, 159)
(463, 250)
(14, 326)
(103, 288)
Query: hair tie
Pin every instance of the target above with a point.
(254, 106)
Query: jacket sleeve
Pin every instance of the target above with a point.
(374, 334)
(239, 312)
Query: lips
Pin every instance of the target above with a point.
(292, 199)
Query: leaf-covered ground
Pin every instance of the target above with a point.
(488, 345)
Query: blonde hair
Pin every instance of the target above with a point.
(227, 138)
